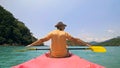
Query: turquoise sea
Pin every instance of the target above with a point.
(9, 56)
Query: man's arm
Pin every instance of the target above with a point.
(77, 41)
(40, 41)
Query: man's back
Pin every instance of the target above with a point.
(58, 43)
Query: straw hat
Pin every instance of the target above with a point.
(60, 24)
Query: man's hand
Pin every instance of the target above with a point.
(28, 45)
(88, 45)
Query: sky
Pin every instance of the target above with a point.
(89, 20)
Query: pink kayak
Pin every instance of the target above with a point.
(43, 61)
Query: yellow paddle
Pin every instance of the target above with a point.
(92, 48)
(98, 48)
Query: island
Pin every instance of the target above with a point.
(13, 31)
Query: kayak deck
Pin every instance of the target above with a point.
(43, 61)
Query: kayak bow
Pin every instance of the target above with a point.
(44, 61)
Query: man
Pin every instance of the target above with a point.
(58, 38)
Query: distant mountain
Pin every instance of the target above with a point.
(13, 31)
(111, 42)
(93, 42)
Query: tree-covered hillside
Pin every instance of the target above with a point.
(111, 42)
(13, 31)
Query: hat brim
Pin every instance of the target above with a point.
(60, 25)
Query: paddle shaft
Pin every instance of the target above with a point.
(92, 48)
(68, 48)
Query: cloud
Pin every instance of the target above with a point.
(110, 31)
(88, 37)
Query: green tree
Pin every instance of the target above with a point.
(13, 31)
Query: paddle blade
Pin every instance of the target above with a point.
(98, 48)
(31, 48)
(25, 49)
(22, 50)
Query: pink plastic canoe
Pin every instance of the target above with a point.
(43, 61)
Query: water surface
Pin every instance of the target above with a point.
(9, 56)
